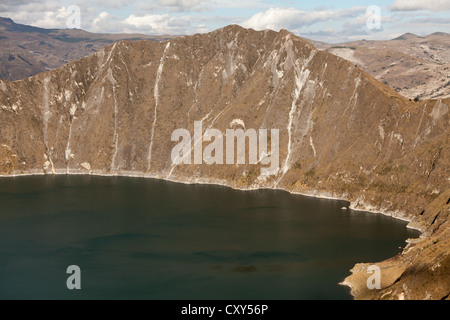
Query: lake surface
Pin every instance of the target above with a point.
(136, 238)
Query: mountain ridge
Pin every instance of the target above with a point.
(27, 50)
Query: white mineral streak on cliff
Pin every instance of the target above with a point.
(301, 77)
(418, 134)
(195, 87)
(116, 118)
(86, 166)
(100, 57)
(68, 152)
(276, 74)
(353, 102)
(108, 59)
(278, 77)
(125, 65)
(439, 110)
(46, 117)
(311, 143)
(231, 61)
(237, 122)
(354, 97)
(46, 111)
(381, 132)
(53, 167)
(194, 143)
(156, 96)
(188, 116)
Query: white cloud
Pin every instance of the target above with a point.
(105, 23)
(162, 24)
(50, 16)
(200, 5)
(183, 5)
(294, 19)
(414, 5)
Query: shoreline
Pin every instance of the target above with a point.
(353, 206)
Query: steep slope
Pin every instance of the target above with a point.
(341, 133)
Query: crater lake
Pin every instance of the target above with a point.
(137, 238)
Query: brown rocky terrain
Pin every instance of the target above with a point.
(414, 66)
(26, 51)
(423, 262)
(342, 133)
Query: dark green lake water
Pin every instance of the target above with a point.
(139, 238)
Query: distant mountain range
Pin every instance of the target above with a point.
(26, 51)
(416, 67)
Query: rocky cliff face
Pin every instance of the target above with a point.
(341, 133)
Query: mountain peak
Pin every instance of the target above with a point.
(12, 26)
(440, 34)
(4, 21)
(407, 36)
(232, 28)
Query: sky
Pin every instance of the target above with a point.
(322, 20)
